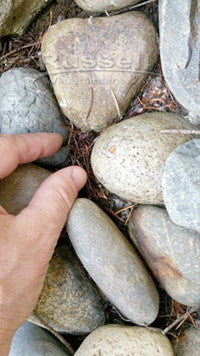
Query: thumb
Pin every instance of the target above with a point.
(47, 212)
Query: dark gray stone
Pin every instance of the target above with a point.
(171, 251)
(68, 301)
(27, 105)
(189, 343)
(112, 263)
(181, 185)
(58, 159)
(31, 340)
(179, 48)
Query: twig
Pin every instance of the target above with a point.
(178, 320)
(116, 103)
(19, 49)
(184, 132)
(128, 207)
(54, 332)
(141, 4)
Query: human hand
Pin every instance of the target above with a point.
(27, 241)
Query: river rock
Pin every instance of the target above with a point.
(165, 246)
(68, 301)
(128, 158)
(117, 340)
(16, 15)
(31, 340)
(179, 48)
(18, 188)
(98, 65)
(112, 263)
(189, 343)
(105, 5)
(27, 105)
(181, 189)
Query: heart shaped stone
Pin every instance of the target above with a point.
(98, 65)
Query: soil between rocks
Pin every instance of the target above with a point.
(25, 52)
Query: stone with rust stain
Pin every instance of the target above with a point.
(172, 252)
(68, 301)
(188, 343)
(18, 188)
(104, 5)
(98, 65)
(129, 157)
(112, 262)
(118, 340)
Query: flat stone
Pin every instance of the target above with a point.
(16, 15)
(165, 246)
(98, 65)
(27, 105)
(112, 263)
(128, 158)
(117, 340)
(181, 189)
(179, 48)
(104, 5)
(68, 301)
(17, 190)
(31, 340)
(189, 343)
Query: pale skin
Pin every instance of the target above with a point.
(27, 241)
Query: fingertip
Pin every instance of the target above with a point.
(79, 176)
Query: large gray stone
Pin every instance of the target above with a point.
(112, 263)
(18, 188)
(27, 105)
(128, 158)
(181, 188)
(171, 252)
(179, 48)
(31, 340)
(98, 65)
(189, 343)
(68, 301)
(119, 340)
(104, 5)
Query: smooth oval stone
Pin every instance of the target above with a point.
(104, 5)
(17, 190)
(31, 340)
(98, 65)
(171, 252)
(118, 340)
(128, 158)
(112, 263)
(181, 189)
(189, 343)
(179, 49)
(68, 301)
(27, 105)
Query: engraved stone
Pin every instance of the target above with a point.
(98, 65)
(180, 51)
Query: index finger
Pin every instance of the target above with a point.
(25, 148)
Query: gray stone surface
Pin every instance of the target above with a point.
(59, 158)
(18, 188)
(98, 62)
(189, 344)
(68, 301)
(31, 340)
(171, 251)
(118, 340)
(101, 6)
(181, 188)
(27, 105)
(128, 158)
(179, 48)
(112, 263)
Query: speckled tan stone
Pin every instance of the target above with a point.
(165, 246)
(94, 63)
(112, 262)
(189, 343)
(68, 301)
(129, 157)
(108, 5)
(118, 340)
(18, 188)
